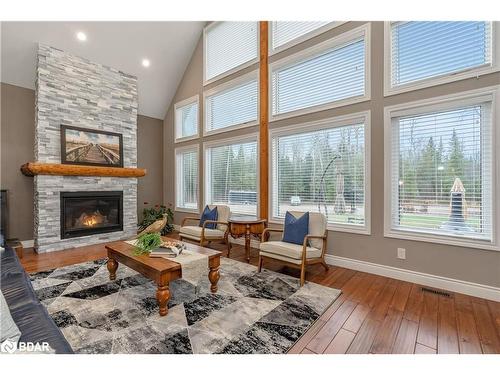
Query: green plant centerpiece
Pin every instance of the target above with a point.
(151, 214)
(147, 242)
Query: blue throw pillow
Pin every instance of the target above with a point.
(296, 228)
(209, 214)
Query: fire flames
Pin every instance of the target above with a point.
(91, 220)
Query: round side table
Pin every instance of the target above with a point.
(241, 226)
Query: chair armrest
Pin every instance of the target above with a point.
(189, 218)
(306, 241)
(309, 236)
(206, 222)
(267, 231)
(213, 222)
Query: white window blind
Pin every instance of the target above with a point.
(187, 179)
(236, 105)
(232, 176)
(323, 171)
(186, 119)
(229, 45)
(442, 172)
(322, 78)
(284, 32)
(423, 50)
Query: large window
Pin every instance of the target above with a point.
(186, 119)
(423, 51)
(441, 169)
(186, 178)
(323, 167)
(329, 74)
(234, 104)
(287, 33)
(231, 174)
(229, 46)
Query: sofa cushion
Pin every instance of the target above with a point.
(281, 257)
(10, 262)
(30, 316)
(289, 250)
(37, 326)
(9, 330)
(209, 214)
(193, 231)
(317, 226)
(295, 228)
(17, 290)
(223, 212)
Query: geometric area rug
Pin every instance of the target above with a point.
(251, 312)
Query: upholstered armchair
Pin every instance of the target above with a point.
(204, 235)
(312, 251)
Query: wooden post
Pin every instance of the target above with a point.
(264, 121)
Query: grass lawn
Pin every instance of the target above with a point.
(431, 221)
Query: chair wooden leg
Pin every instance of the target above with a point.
(228, 243)
(302, 274)
(323, 263)
(261, 260)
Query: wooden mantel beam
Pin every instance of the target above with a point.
(264, 121)
(32, 169)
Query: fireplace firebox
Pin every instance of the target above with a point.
(91, 212)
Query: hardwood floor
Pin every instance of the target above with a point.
(374, 314)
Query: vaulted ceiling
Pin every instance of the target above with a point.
(122, 45)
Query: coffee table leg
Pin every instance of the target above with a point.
(162, 296)
(213, 274)
(112, 267)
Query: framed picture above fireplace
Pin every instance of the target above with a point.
(91, 147)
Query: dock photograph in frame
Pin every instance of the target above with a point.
(84, 146)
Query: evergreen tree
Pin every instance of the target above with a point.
(426, 173)
(456, 158)
(455, 166)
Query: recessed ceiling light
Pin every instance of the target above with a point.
(145, 63)
(81, 36)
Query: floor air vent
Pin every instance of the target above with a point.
(435, 291)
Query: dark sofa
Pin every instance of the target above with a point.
(28, 313)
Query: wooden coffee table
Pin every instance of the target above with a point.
(160, 270)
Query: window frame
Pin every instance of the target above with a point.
(478, 71)
(342, 39)
(327, 123)
(177, 152)
(225, 87)
(311, 34)
(436, 104)
(252, 137)
(195, 99)
(236, 68)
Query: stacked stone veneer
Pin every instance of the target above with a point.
(74, 91)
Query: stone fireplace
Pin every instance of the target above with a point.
(73, 211)
(91, 212)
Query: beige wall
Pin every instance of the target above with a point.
(18, 136)
(149, 156)
(479, 266)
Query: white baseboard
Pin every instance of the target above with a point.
(440, 282)
(28, 243)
